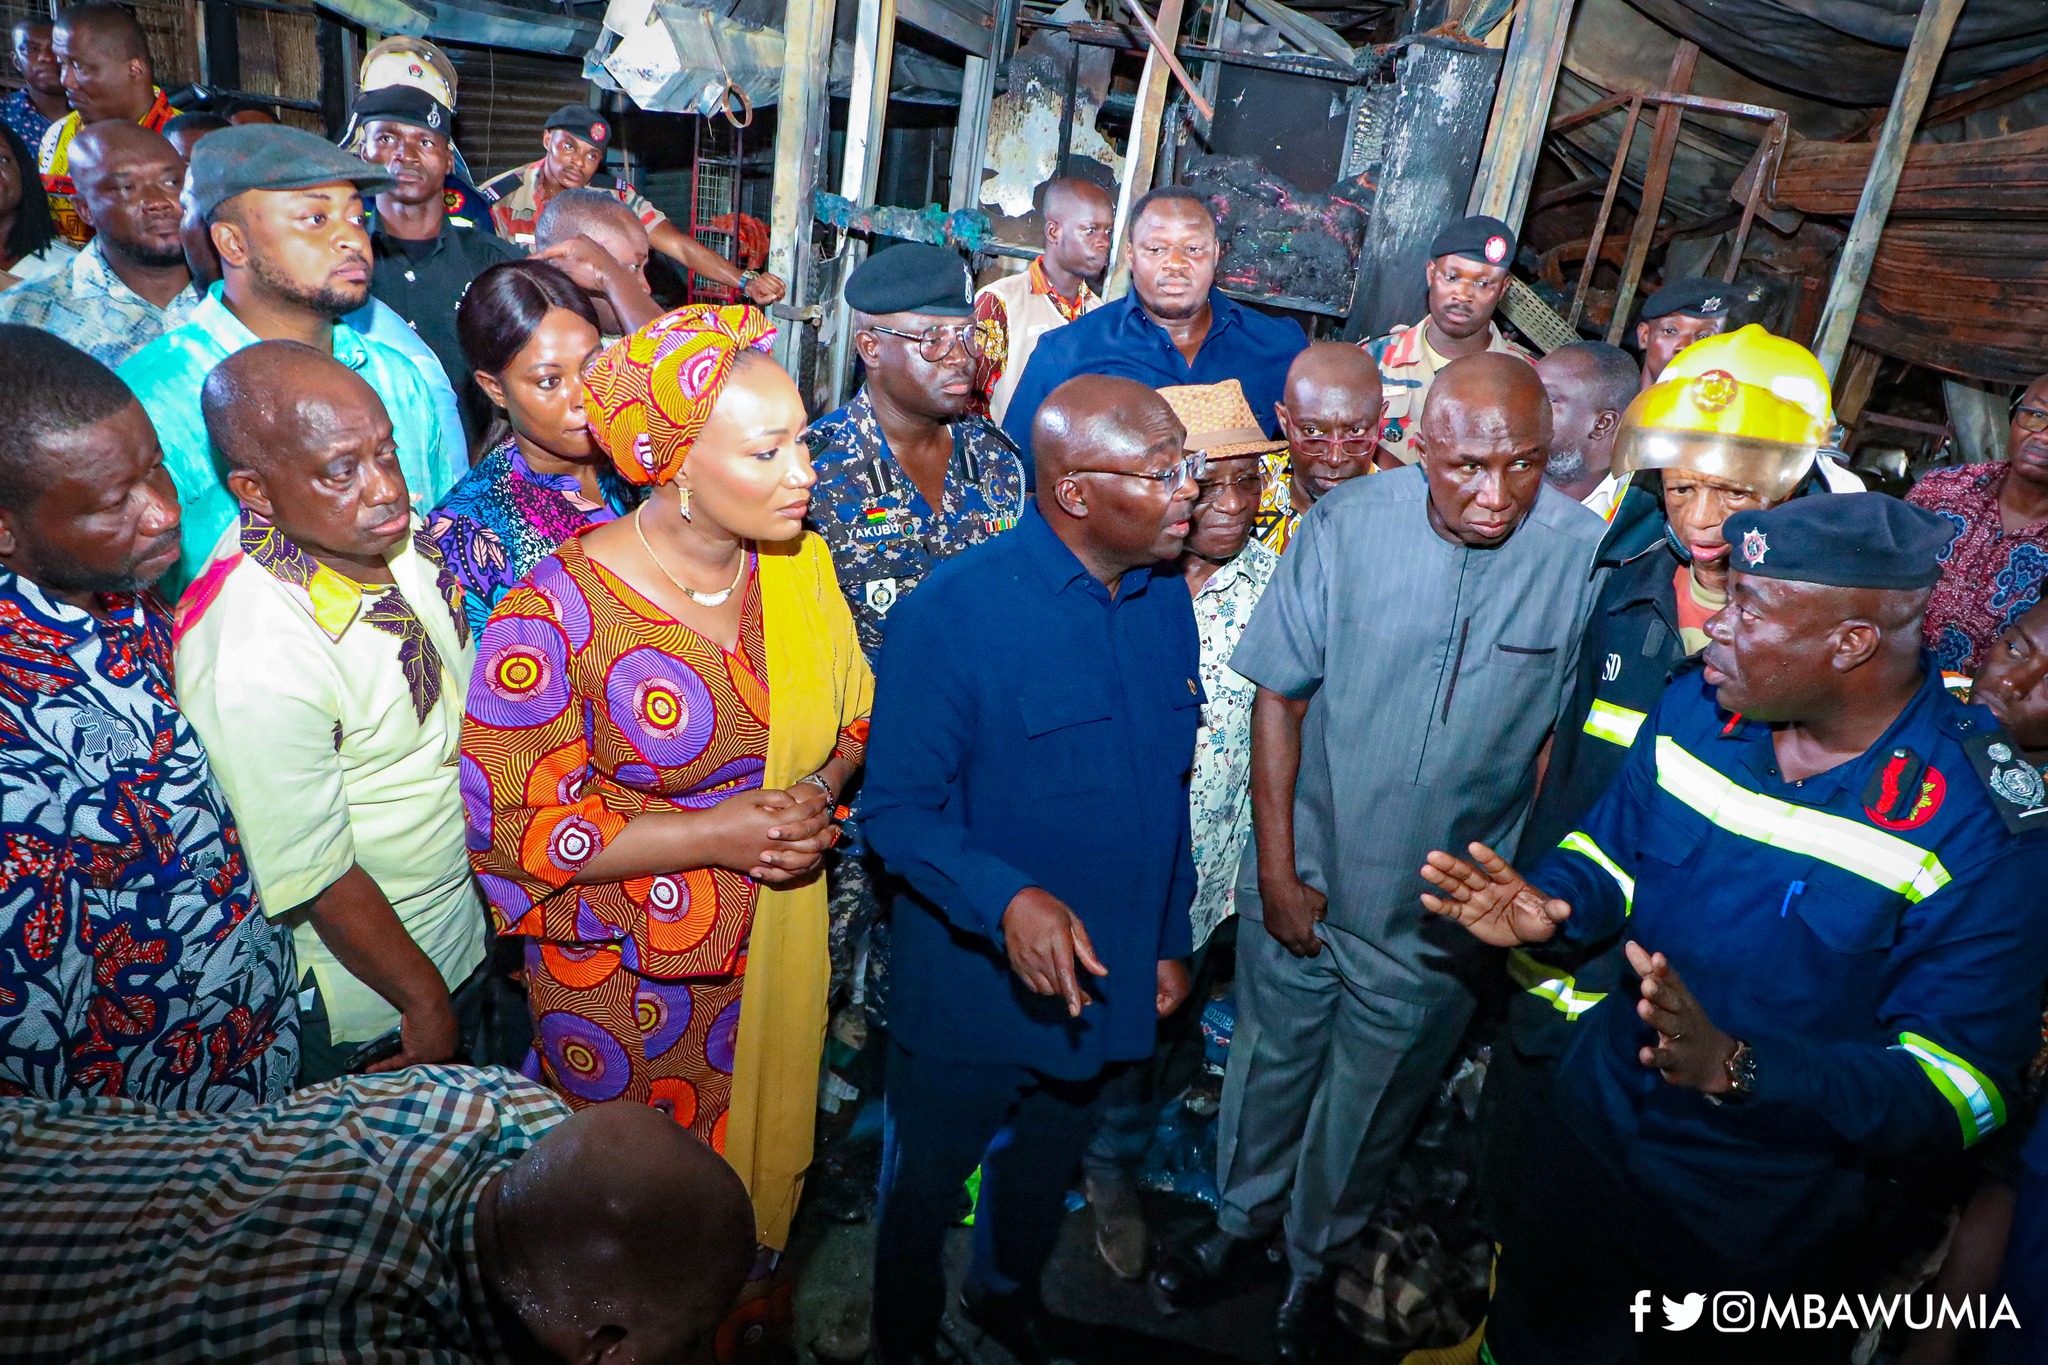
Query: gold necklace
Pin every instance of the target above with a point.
(702, 599)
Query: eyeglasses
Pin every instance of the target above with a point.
(939, 342)
(1356, 441)
(1254, 483)
(2030, 419)
(1188, 466)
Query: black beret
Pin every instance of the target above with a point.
(403, 104)
(582, 120)
(1480, 238)
(271, 156)
(913, 278)
(1693, 296)
(1846, 540)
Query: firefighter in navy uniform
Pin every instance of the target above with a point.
(1829, 873)
(1684, 470)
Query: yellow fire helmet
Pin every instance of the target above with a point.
(1745, 408)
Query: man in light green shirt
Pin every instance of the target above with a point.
(323, 657)
(285, 214)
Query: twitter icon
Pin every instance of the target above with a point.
(1680, 1314)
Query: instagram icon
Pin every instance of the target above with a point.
(1734, 1311)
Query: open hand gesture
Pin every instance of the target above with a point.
(1690, 1051)
(1491, 899)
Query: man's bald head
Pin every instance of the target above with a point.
(1096, 440)
(1485, 439)
(1329, 410)
(618, 1227)
(580, 212)
(128, 180)
(1079, 218)
(1095, 418)
(263, 404)
(305, 443)
(1491, 392)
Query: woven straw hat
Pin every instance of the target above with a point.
(1219, 420)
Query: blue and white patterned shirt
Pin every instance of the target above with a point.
(133, 958)
(94, 309)
(18, 112)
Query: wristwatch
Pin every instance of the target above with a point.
(822, 785)
(747, 277)
(1741, 1066)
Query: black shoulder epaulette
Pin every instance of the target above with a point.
(2016, 786)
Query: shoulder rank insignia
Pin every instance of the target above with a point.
(1904, 792)
(2016, 786)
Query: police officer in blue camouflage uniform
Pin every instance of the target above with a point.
(907, 476)
(1829, 872)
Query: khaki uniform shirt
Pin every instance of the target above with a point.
(1407, 365)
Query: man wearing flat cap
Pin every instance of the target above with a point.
(1468, 274)
(576, 138)
(424, 261)
(1828, 871)
(283, 211)
(1679, 314)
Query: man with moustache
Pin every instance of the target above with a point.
(103, 57)
(1994, 567)
(1590, 385)
(324, 657)
(1811, 850)
(1174, 327)
(1468, 275)
(41, 101)
(130, 284)
(1035, 716)
(1329, 412)
(1016, 310)
(1413, 654)
(282, 211)
(135, 958)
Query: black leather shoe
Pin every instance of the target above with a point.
(1192, 1271)
(1303, 1320)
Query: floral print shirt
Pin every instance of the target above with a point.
(505, 517)
(1990, 577)
(134, 961)
(1220, 794)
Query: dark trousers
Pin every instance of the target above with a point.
(1580, 1246)
(323, 1059)
(939, 1120)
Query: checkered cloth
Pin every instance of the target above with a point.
(337, 1223)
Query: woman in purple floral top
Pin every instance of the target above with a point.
(528, 333)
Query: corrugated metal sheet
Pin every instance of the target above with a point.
(1961, 277)
(502, 100)
(1993, 175)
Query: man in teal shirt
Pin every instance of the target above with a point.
(284, 211)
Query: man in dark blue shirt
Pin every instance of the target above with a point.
(1034, 726)
(1174, 327)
